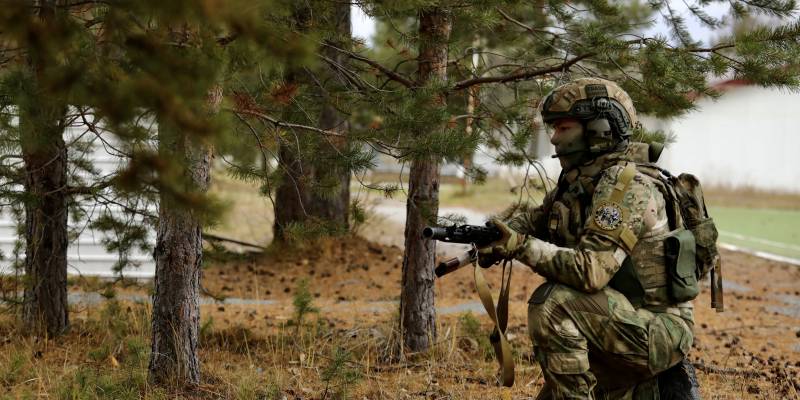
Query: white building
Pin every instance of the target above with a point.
(86, 254)
(750, 137)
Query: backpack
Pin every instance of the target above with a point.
(686, 192)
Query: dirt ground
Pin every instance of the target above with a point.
(751, 350)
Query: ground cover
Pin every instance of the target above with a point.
(252, 345)
(316, 323)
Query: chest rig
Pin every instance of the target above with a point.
(569, 209)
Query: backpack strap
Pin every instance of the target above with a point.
(665, 182)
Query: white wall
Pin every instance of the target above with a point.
(86, 255)
(748, 138)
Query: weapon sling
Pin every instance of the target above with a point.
(499, 315)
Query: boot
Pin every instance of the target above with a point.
(679, 383)
(545, 393)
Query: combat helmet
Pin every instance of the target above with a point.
(605, 110)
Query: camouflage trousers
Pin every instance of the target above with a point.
(597, 345)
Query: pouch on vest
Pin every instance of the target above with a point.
(705, 233)
(679, 254)
(695, 216)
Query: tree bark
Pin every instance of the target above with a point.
(178, 256)
(45, 161)
(45, 155)
(417, 312)
(315, 188)
(292, 195)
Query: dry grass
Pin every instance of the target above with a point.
(253, 351)
(105, 356)
(751, 198)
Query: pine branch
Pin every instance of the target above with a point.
(395, 76)
(522, 25)
(705, 49)
(521, 75)
(282, 124)
(351, 76)
(88, 190)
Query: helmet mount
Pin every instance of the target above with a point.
(603, 108)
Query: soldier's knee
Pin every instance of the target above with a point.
(566, 363)
(547, 320)
(548, 295)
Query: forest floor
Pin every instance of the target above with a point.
(319, 322)
(252, 345)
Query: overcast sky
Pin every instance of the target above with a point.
(364, 26)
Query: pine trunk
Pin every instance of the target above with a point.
(178, 256)
(334, 207)
(292, 195)
(418, 315)
(44, 155)
(313, 188)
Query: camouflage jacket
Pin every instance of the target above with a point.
(580, 251)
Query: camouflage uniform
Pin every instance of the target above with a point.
(589, 338)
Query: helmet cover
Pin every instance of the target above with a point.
(587, 99)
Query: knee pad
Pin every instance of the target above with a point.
(567, 363)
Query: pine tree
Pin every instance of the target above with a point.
(45, 155)
(147, 78)
(313, 196)
(179, 242)
(31, 79)
(189, 51)
(417, 312)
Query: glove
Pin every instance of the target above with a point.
(509, 244)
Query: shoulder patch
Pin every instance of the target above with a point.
(608, 216)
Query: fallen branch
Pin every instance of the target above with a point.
(216, 238)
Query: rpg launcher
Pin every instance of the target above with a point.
(478, 235)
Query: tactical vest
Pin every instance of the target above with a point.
(644, 277)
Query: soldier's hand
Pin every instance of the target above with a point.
(487, 257)
(504, 248)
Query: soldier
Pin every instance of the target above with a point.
(604, 324)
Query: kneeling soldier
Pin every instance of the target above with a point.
(605, 323)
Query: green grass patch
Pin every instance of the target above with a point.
(770, 230)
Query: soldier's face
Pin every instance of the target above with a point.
(567, 138)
